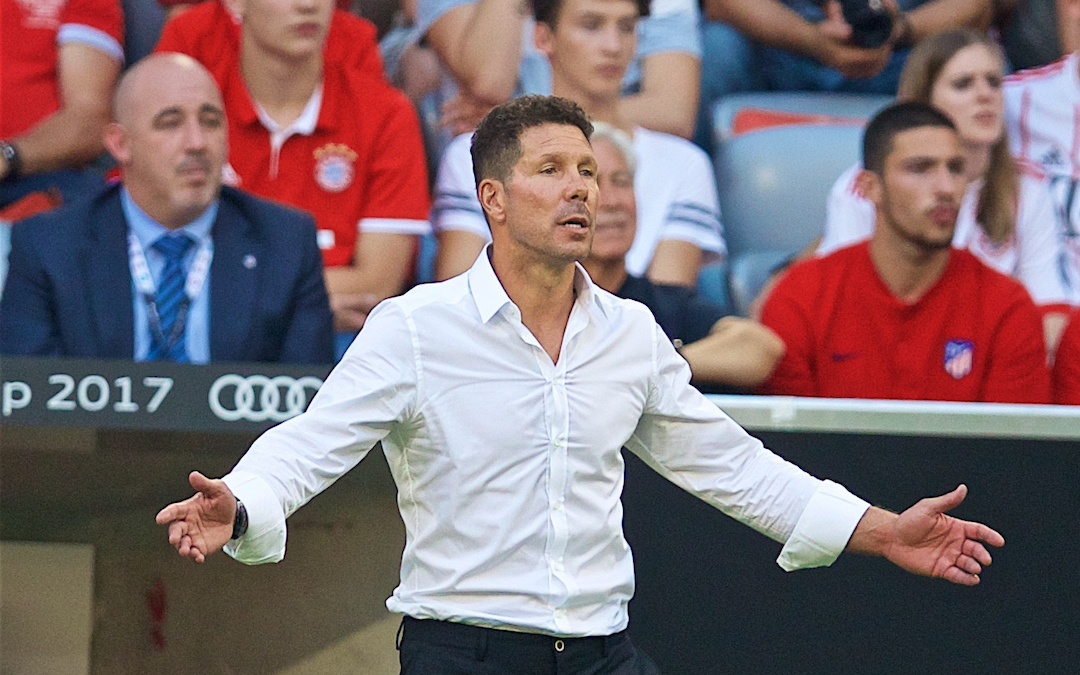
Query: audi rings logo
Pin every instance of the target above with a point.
(257, 398)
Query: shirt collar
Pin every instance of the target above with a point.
(304, 124)
(147, 230)
(490, 296)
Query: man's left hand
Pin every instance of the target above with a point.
(924, 540)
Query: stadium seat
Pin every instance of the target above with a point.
(773, 184)
(425, 259)
(749, 272)
(740, 113)
(713, 284)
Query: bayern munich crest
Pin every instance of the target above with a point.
(334, 167)
(958, 357)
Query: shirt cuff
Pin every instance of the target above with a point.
(824, 528)
(265, 538)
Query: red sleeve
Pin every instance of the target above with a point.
(787, 313)
(398, 181)
(1067, 364)
(1017, 371)
(172, 39)
(206, 33)
(103, 15)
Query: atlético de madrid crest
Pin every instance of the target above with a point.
(334, 167)
(958, 357)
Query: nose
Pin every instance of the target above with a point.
(949, 184)
(983, 89)
(194, 136)
(578, 187)
(610, 40)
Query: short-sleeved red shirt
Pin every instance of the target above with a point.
(30, 38)
(1067, 364)
(362, 168)
(974, 336)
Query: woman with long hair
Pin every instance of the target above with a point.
(1006, 218)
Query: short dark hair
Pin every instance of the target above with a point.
(547, 11)
(883, 128)
(496, 145)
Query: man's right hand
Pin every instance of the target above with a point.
(202, 524)
(834, 47)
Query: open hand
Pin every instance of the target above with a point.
(202, 524)
(928, 542)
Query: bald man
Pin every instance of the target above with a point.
(168, 264)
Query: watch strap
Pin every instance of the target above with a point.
(11, 155)
(240, 522)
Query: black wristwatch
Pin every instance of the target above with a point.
(240, 523)
(14, 160)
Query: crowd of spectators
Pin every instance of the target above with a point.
(948, 267)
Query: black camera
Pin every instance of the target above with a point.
(871, 24)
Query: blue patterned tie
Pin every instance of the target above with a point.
(169, 297)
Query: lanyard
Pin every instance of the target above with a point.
(144, 284)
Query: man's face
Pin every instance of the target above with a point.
(171, 141)
(616, 211)
(591, 45)
(292, 29)
(919, 192)
(550, 199)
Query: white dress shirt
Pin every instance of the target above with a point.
(508, 466)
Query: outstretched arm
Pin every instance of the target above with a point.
(203, 523)
(923, 540)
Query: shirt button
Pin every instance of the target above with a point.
(558, 506)
(560, 614)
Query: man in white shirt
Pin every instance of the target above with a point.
(590, 44)
(502, 398)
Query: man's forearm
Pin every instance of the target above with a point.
(874, 534)
(481, 45)
(66, 139)
(768, 22)
(942, 15)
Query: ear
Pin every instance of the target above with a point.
(868, 186)
(492, 196)
(115, 139)
(544, 38)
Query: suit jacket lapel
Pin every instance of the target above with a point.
(108, 276)
(233, 278)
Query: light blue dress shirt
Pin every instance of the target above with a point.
(147, 231)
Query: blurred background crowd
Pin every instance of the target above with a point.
(254, 199)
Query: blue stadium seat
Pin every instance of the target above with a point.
(713, 284)
(425, 259)
(819, 107)
(773, 185)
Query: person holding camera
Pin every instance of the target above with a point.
(856, 46)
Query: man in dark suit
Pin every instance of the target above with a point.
(168, 264)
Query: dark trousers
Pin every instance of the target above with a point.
(431, 647)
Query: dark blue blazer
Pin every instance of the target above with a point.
(69, 289)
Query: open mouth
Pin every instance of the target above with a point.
(575, 222)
